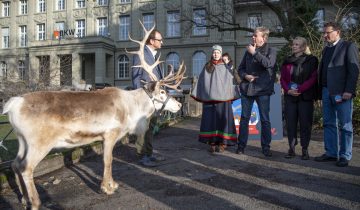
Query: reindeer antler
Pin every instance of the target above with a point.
(143, 64)
(173, 81)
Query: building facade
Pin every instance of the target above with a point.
(55, 42)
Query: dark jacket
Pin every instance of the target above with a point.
(138, 74)
(343, 69)
(262, 65)
(307, 81)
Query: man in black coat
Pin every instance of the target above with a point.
(257, 75)
(339, 71)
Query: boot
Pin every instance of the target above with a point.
(290, 154)
(305, 155)
(222, 147)
(212, 148)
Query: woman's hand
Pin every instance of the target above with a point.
(293, 92)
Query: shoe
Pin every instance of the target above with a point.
(325, 158)
(305, 155)
(267, 153)
(290, 154)
(342, 162)
(212, 148)
(222, 147)
(145, 161)
(240, 150)
(156, 158)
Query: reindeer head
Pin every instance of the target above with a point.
(156, 89)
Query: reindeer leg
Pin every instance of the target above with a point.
(17, 167)
(108, 185)
(31, 160)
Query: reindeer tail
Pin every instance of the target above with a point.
(10, 103)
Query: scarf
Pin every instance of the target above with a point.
(210, 66)
(298, 72)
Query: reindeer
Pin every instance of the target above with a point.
(64, 119)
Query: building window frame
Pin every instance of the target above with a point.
(254, 20)
(41, 6)
(173, 24)
(80, 4)
(173, 59)
(22, 70)
(5, 33)
(80, 28)
(41, 32)
(198, 62)
(148, 20)
(199, 18)
(23, 7)
(60, 5)
(23, 36)
(6, 9)
(124, 1)
(102, 2)
(123, 67)
(3, 69)
(102, 26)
(124, 27)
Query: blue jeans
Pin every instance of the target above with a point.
(338, 128)
(264, 110)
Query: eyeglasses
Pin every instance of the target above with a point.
(328, 32)
(160, 40)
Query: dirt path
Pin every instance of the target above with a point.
(191, 178)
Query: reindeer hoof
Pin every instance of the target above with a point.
(109, 188)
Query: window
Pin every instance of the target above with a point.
(5, 37)
(41, 31)
(199, 22)
(59, 26)
(3, 69)
(80, 28)
(123, 65)
(22, 36)
(148, 20)
(173, 24)
(254, 20)
(21, 70)
(173, 59)
(124, 1)
(41, 6)
(6, 9)
(319, 19)
(124, 27)
(60, 5)
(198, 62)
(350, 21)
(102, 26)
(102, 2)
(80, 3)
(23, 7)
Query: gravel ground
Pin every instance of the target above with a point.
(192, 178)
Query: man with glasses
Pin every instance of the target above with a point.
(144, 146)
(339, 70)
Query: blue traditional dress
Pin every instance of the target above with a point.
(216, 90)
